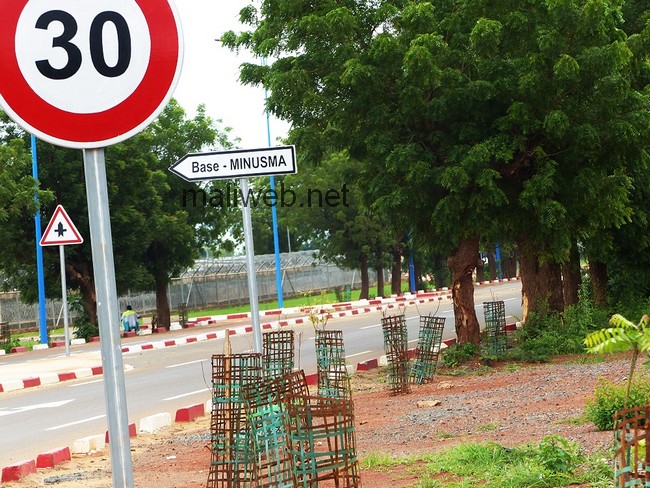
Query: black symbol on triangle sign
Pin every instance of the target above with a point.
(60, 230)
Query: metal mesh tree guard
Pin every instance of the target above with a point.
(632, 454)
(396, 348)
(321, 439)
(277, 353)
(425, 360)
(495, 327)
(265, 414)
(333, 378)
(231, 461)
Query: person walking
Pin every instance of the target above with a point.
(130, 320)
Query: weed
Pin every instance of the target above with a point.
(459, 353)
(488, 427)
(609, 398)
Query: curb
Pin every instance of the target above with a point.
(375, 305)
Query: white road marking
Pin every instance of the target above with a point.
(74, 385)
(357, 354)
(186, 394)
(185, 364)
(63, 426)
(38, 406)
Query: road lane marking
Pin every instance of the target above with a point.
(74, 385)
(63, 426)
(186, 394)
(38, 406)
(370, 327)
(185, 364)
(357, 354)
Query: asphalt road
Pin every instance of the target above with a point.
(35, 420)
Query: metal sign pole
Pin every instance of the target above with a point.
(107, 315)
(250, 267)
(64, 297)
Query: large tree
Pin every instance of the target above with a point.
(157, 231)
(517, 120)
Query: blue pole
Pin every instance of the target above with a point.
(497, 249)
(412, 285)
(42, 317)
(274, 213)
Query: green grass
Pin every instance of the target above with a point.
(301, 301)
(554, 462)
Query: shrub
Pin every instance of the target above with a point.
(459, 353)
(609, 398)
(84, 329)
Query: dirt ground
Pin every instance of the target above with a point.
(510, 404)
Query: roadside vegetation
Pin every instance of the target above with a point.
(553, 462)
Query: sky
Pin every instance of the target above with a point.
(210, 73)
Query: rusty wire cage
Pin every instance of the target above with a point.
(278, 353)
(425, 360)
(265, 415)
(333, 378)
(632, 438)
(322, 441)
(495, 327)
(396, 348)
(231, 458)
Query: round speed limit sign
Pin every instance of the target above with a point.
(87, 73)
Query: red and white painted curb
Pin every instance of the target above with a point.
(94, 443)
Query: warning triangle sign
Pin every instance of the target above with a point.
(60, 231)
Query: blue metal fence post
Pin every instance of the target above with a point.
(42, 316)
(497, 252)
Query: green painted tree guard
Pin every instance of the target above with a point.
(396, 348)
(425, 360)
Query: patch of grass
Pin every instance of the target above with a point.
(443, 434)
(554, 462)
(380, 460)
(488, 427)
(466, 371)
(573, 420)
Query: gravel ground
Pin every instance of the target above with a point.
(512, 405)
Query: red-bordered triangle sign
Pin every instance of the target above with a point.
(60, 231)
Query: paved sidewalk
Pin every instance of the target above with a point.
(52, 369)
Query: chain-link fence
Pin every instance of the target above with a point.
(210, 283)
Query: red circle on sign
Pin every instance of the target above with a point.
(99, 129)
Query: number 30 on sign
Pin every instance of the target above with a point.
(87, 73)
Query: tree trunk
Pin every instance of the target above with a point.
(162, 304)
(83, 276)
(509, 265)
(599, 277)
(365, 282)
(396, 272)
(541, 283)
(480, 270)
(380, 281)
(492, 262)
(461, 264)
(571, 277)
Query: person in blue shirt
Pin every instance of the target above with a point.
(130, 320)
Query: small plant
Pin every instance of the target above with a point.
(623, 335)
(459, 353)
(558, 455)
(84, 329)
(610, 398)
(11, 343)
(488, 427)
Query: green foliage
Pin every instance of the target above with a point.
(546, 335)
(83, 327)
(623, 335)
(554, 462)
(11, 343)
(458, 353)
(610, 398)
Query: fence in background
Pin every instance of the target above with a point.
(210, 283)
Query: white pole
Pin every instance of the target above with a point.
(64, 297)
(250, 266)
(108, 317)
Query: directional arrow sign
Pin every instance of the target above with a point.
(240, 163)
(61, 231)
